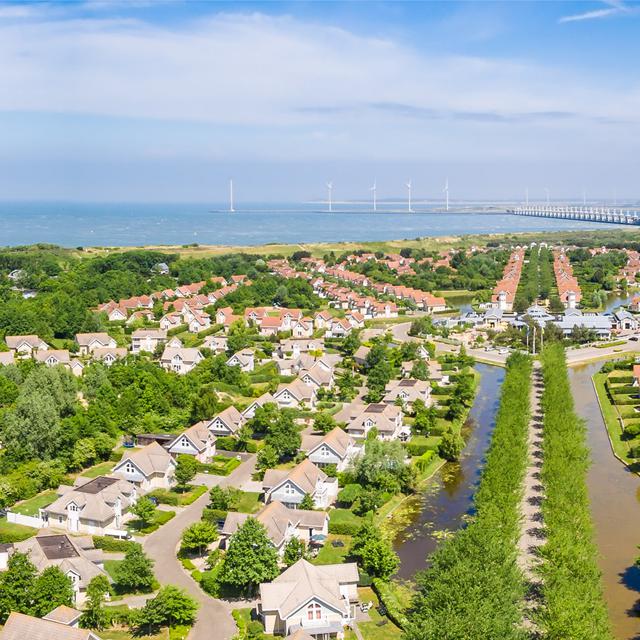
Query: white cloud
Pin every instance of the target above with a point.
(614, 8)
(254, 70)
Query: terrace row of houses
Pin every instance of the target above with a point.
(567, 284)
(504, 293)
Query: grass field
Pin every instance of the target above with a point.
(159, 518)
(333, 555)
(98, 470)
(611, 419)
(10, 532)
(32, 506)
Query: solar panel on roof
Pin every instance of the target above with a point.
(56, 547)
(96, 485)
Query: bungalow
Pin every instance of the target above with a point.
(7, 357)
(71, 556)
(170, 321)
(318, 375)
(217, 344)
(310, 598)
(290, 486)
(196, 441)
(94, 506)
(53, 357)
(151, 467)
(625, 321)
(226, 423)
(322, 319)
(147, 339)
(244, 359)
(20, 626)
(360, 356)
(77, 367)
(295, 395)
(302, 328)
(360, 419)
(199, 321)
(116, 313)
(281, 524)
(250, 411)
(355, 319)
(87, 342)
(336, 447)
(270, 325)
(407, 390)
(298, 346)
(109, 356)
(338, 328)
(24, 346)
(181, 360)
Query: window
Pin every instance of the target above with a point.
(129, 468)
(314, 611)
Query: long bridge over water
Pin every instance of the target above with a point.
(610, 215)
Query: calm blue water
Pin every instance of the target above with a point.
(74, 224)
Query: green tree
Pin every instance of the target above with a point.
(307, 503)
(220, 498)
(374, 552)
(294, 550)
(94, 615)
(451, 446)
(198, 536)
(204, 405)
(324, 422)
(267, 458)
(250, 558)
(186, 469)
(84, 453)
(145, 510)
(172, 606)
(16, 584)
(284, 437)
(50, 590)
(135, 572)
(420, 370)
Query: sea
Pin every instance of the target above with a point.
(125, 225)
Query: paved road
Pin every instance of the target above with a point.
(585, 354)
(214, 617)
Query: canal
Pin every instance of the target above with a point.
(615, 504)
(449, 496)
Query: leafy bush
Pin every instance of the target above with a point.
(349, 494)
(344, 522)
(113, 545)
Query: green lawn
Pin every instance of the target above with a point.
(98, 470)
(159, 518)
(248, 502)
(32, 506)
(333, 555)
(175, 498)
(220, 465)
(374, 630)
(338, 517)
(110, 567)
(10, 532)
(610, 415)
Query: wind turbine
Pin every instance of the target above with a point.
(446, 191)
(373, 190)
(231, 209)
(330, 189)
(408, 185)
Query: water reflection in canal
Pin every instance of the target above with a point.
(450, 495)
(614, 493)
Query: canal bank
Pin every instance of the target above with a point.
(615, 504)
(440, 509)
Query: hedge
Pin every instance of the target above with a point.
(473, 587)
(344, 522)
(113, 545)
(574, 605)
(387, 597)
(423, 461)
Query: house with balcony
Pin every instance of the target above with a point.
(336, 447)
(151, 467)
(290, 486)
(387, 419)
(282, 524)
(318, 600)
(147, 340)
(94, 506)
(196, 441)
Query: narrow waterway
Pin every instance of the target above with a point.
(615, 504)
(449, 496)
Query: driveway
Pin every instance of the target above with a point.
(214, 616)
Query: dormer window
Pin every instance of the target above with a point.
(314, 611)
(129, 468)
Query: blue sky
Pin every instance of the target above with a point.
(165, 101)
